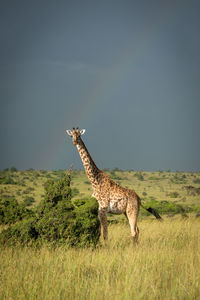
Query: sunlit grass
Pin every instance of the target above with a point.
(163, 265)
(158, 185)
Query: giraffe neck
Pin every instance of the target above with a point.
(91, 169)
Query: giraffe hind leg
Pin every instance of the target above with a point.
(132, 218)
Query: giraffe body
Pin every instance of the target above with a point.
(111, 197)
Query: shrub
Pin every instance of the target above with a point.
(28, 190)
(11, 211)
(75, 192)
(165, 207)
(57, 220)
(28, 201)
(139, 176)
(23, 233)
(174, 195)
(13, 169)
(114, 176)
(87, 225)
(6, 180)
(178, 179)
(191, 190)
(87, 182)
(154, 178)
(196, 180)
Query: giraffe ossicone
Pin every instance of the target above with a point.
(111, 197)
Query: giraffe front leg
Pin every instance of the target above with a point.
(103, 220)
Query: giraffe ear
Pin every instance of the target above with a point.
(69, 132)
(82, 131)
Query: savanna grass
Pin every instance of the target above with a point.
(163, 265)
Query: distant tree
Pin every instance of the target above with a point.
(13, 169)
(139, 176)
(116, 169)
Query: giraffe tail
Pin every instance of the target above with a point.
(153, 212)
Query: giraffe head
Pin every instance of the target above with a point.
(75, 134)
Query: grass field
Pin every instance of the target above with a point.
(164, 265)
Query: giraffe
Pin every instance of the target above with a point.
(111, 197)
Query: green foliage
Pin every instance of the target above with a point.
(165, 207)
(154, 178)
(139, 176)
(57, 220)
(196, 209)
(174, 195)
(113, 175)
(28, 201)
(28, 190)
(178, 178)
(191, 190)
(78, 202)
(75, 192)
(197, 180)
(87, 182)
(13, 169)
(11, 211)
(23, 233)
(6, 179)
(87, 225)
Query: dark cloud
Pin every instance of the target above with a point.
(128, 71)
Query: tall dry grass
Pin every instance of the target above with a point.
(164, 265)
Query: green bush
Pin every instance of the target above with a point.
(165, 207)
(6, 179)
(196, 180)
(174, 195)
(57, 220)
(139, 176)
(75, 192)
(13, 169)
(28, 190)
(114, 176)
(154, 178)
(178, 179)
(87, 225)
(11, 211)
(28, 201)
(22, 233)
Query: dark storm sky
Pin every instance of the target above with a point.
(127, 71)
